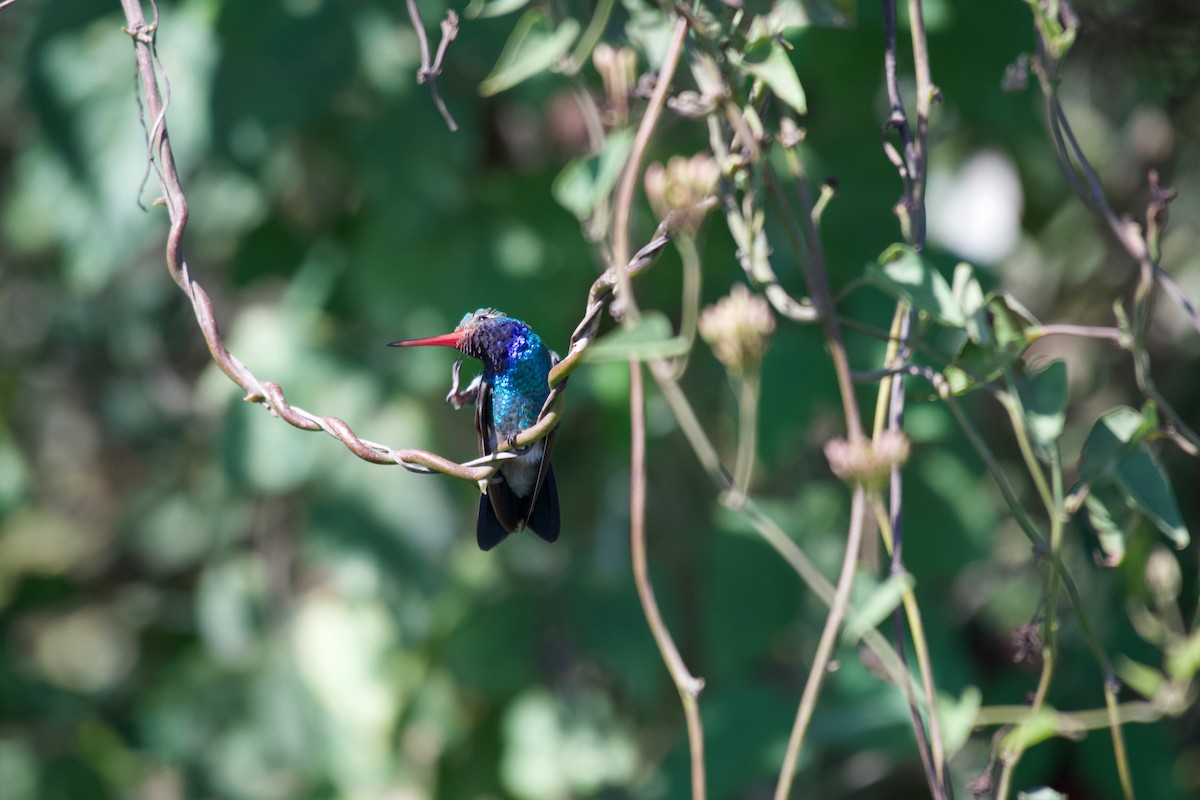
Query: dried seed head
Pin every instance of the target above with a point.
(738, 329)
(678, 190)
(790, 134)
(1027, 645)
(868, 462)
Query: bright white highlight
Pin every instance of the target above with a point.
(976, 211)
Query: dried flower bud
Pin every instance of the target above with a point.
(868, 462)
(618, 70)
(738, 329)
(679, 189)
(981, 785)
(602, 58)
(691, 105)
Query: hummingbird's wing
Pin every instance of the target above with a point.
(500, 511)
(542, 515)
(483, 416)
(489, 531)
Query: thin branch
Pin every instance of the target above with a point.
(1053, 500)
(266, 393)
(1085, 331)
(688, 685)
(748, 390)
(926, 93)
(745, 219)
(897, 120)
(1177, 294)
(833, 622)
(1142, 246)
(623, 209)
(429, 70)
(602, 293)
(822, 299)
(817, 277)
(745, 222)
(890, 401)
(912, 612)
(269, 394)
(1071, 157)
(768, 528)
(689, 312)
(1071, 724)
(590, 38)
(1020, 514)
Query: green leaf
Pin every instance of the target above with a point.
(1105, 507)
(875, 609)
(1036, 729)
(786, 15)
(902, 272)
(1043, 395)
(649, 31)
(958, 718)
(1144, 680)
(533, 47)
(1183, 658)
(480, 9)
(973, 365)
(1112, 436)
(1059, 38)
(1011, 321)
(1117, 432)
(587, 180)
(650, 337)
(969, 296)
(1115, 452)
(1144, 479)
(1008, 324)
(767, 60)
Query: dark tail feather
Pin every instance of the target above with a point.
(543, 517)
(488, 530)
(510, 511)
(501, 512)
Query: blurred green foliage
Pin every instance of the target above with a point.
(197, 600)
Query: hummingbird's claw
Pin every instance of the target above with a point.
(512, 446)
(458, 398)
(452, 396)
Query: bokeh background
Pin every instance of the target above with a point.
(197, 600)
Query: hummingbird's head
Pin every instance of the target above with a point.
(489, 335)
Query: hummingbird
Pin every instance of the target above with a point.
(508, 398)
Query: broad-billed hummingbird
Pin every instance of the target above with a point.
(508, 398)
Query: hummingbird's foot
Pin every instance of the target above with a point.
(467, 396)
